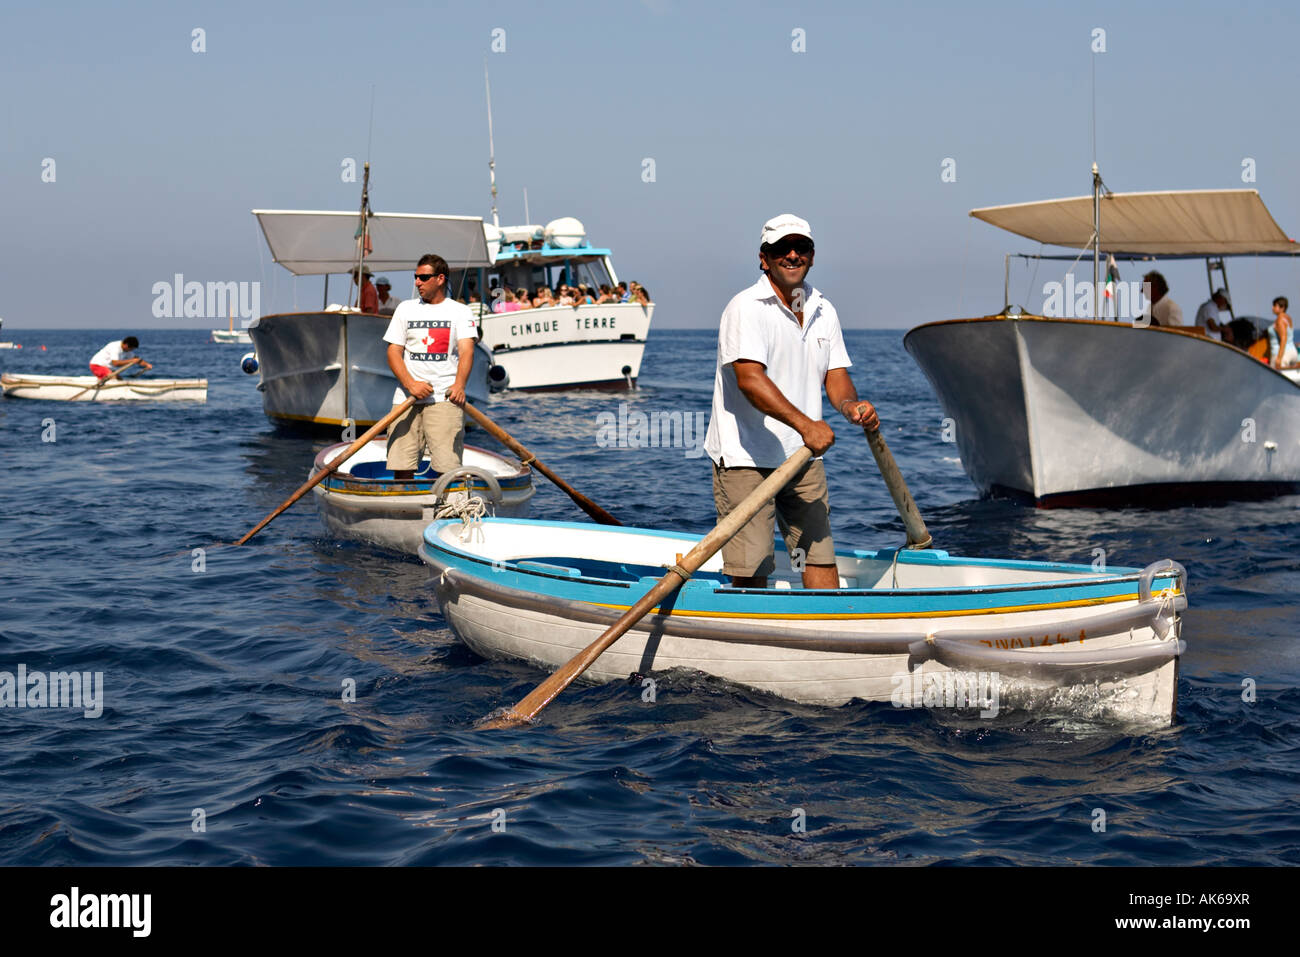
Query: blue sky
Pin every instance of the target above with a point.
(161, 152)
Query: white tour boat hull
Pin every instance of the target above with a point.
(302, 358)
(231, 336)
(1080, 412)
(570, 347)
(84, 388)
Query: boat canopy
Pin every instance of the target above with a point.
(1193, 223)
(312, 243)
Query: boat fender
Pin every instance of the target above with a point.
(1150, 572)
(248, 363)
(469, 472)
(498, 379)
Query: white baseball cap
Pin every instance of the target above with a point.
(787, 224)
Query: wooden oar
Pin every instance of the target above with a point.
(350, 451)
(111, 375)
(679, 573)
(917, 534)
(527, 458)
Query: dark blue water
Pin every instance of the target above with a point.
(223, 686)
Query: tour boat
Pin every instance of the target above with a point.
(362, 500)
(87, 388)
(1074, 410)
(589, 346)
(1051, 636)
(329, 369)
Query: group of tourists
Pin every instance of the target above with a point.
(513, 300)
(1280, 335)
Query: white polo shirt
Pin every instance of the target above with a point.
(429, 334)
(757, 326)
(1167, 312)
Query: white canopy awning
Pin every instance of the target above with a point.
(314, 243)
(1206, 222)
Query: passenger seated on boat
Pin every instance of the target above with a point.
(542, 297)
(621, 291)
(369, 301)
(387, 304)
(566, 297)
(1163, 310)
(1207, 316)
(476, 306)
(639, 294)
(1281, 337)
(503, 300)
(522, 297)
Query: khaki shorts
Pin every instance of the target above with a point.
(802, 509)
(436, 426)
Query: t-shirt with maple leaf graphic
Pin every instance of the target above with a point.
(429, 333)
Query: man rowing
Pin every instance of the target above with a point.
(113, 356)
(431, 351)
(779, 345)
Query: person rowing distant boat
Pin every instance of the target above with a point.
(113, 356)
(779, 344)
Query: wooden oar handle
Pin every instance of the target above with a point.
(350, 451)
(722, 533)
(111, 375)
(917, 534)
(527, 458)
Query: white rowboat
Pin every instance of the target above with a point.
(1051, 636)
(84, 388)
(363, 501)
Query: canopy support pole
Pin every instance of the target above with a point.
(1096, 242)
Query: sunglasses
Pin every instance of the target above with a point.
(425, 276)
(804, 247)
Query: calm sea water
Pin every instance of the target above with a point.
(222, 686)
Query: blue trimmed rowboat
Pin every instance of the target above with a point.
(900, 622)
(362, 500)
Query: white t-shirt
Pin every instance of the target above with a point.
(429, 334)
(1207, 313)
(107, 355)
(389, 307)
(756, 325)
(1167, 312)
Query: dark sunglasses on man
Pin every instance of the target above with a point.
(800, 244)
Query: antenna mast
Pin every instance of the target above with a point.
(492, 153)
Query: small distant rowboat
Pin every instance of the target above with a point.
(85, 388)
(363, 501)
(1053, 635)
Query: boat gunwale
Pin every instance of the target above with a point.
(1124, 575)
(1184, 331)
(703, 626)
